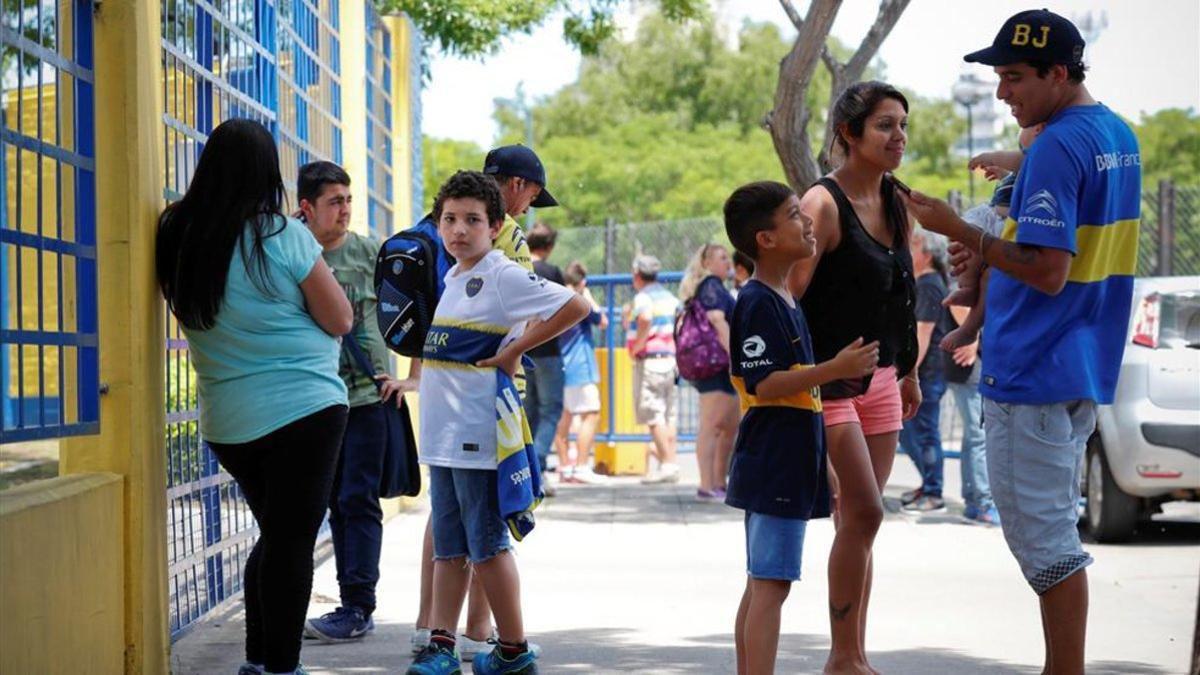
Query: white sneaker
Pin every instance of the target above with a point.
(468, 648)
(419, 639)
(667, 473)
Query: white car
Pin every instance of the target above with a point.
(1146, 449)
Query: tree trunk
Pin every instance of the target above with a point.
(788, 122)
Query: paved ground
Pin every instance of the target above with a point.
(626, 578)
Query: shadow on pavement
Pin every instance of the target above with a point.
(619, 650)
(633, 503)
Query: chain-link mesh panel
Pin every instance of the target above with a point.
(671, 241)
(1186, 248)
(1148, 235)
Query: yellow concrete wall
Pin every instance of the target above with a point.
(61, 576)
(352, 16)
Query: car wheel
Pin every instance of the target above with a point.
(1111, 514)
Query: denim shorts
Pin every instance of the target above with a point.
(774, 546)
(466, 514)
(1034, 459)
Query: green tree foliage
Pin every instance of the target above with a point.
(444, 156)
(476, 27)
(1170, 145)
(662, 126)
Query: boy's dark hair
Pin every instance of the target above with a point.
(1076, 72)
(748, 211)
(471, 185)
(744, 261)
(314, 176)
(575, 273)
(541, 237)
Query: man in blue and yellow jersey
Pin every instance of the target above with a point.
(522, 180)
(1057, 307)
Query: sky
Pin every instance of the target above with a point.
(1148, 57)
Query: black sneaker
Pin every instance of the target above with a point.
(910, 496)
(926, 504)
(344, 624)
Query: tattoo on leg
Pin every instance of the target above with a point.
(839, 613)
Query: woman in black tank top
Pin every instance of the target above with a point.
(860, 284)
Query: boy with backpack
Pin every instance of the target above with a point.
(778, 474)
(471, 418)
(410, 273)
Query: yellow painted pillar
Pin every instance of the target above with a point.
(129, 184)
(402, 121)
(401, 130)
(352, 21)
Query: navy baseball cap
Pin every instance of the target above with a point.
(520, 162)
(1033, 35)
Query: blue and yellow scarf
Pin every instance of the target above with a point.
(518, 474)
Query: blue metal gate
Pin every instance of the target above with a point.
(49, 363)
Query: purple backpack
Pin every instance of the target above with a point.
(698, 351)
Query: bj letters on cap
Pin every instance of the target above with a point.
(1033, 35)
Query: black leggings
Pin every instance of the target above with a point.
(286, 477)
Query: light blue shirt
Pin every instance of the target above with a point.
(266, 362)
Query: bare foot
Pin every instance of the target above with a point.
(849, 666)
(959, 337)
(965, 296)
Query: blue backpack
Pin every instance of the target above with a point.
(410, 273)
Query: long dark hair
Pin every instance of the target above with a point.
(852, 109)
(236, 188)
(856, 104)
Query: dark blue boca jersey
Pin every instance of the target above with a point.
(778, 465)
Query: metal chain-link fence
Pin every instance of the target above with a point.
(611, 248)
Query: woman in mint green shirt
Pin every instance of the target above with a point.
(262, 314)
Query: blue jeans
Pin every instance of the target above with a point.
(975, 488)
(466, 514)
(774, 546)
(921, 437)
(355, 517)
(544, 403)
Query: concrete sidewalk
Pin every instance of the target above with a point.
(629, 578)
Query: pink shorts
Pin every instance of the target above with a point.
(879, 410)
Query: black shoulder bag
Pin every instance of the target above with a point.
(401, 475)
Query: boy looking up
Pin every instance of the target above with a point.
(778, 471)
(479, 326)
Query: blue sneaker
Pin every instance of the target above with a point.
(971, 512)
(492, 663)
(436, 659)
(344, 624)
(991, 517)
(248, 668)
